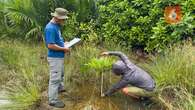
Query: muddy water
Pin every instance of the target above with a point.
(87, 97)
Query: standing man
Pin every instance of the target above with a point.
(56, 50)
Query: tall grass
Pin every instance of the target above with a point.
(27, 70)
(187, 101)
(175, 68)
(22, 96)
(174, 72)
(82, 56)
(28, 75)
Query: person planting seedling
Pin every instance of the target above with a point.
(134, 82)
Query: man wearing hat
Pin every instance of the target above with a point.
(56, 50)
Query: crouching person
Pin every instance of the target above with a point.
(134, 82)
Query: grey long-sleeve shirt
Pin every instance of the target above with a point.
(131, 74)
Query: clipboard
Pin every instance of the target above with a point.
(72, 42)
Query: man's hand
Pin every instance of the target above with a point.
(104, 54)
(58, 48)
(66, 50)
(66, 43)
(103, 95)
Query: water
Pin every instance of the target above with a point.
(87, 97)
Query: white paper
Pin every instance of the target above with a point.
(72, 42)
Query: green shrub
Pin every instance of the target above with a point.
(84, 53)
(100, 64)
(140, 23)
(71, 28)
(26, 19)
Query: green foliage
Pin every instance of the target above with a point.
(9, 56)
(22, 97)
(174, 75)
(189, 103)
(26, 79)
(26, 19)
(100, 64)
(130, 23)
(88, 33)
(84, 53)
(71, 27)
(140, 23)
(173, 72)
(174, 68)
(17, 55)
(85, 9)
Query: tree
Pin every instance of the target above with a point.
(27, 18)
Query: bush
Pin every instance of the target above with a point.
(140, 23)
(100, 64)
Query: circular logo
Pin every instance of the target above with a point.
(173, 14)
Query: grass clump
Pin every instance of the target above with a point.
(22, 97)
(174, 72)
(27, 75)
(175, 68)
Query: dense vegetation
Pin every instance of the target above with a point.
(135, 23)
(25, 19)
(141, 23)
(102, 25)
(24, 80)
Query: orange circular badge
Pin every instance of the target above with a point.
(173, 14)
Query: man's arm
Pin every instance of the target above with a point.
(121, 84)
(57, 48)
(121, 55)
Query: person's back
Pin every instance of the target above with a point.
(142, 79)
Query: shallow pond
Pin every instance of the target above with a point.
(87, 97)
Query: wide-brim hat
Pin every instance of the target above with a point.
(60, 13)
